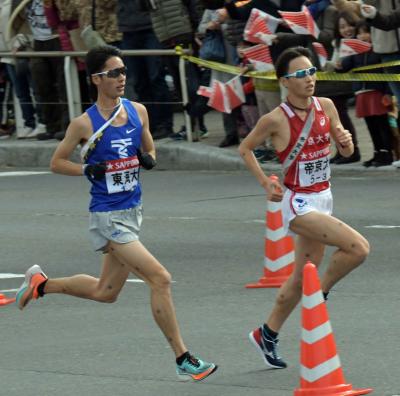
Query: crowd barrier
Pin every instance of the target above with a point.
(72, 81)
(73, 91)
(353, 75)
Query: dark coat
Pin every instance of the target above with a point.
(386, 22)
(132, 17)
(365, 59)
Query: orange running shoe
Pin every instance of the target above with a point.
(34, 276)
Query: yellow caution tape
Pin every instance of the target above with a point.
(322, 76)
(377, 66)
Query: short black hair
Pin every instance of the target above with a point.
(97, 57)
(282, 63)
(95, 60)
(363, 25)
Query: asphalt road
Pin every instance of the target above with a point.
(207, 229)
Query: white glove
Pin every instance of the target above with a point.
(368, 11)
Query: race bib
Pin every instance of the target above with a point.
(122, 174)
(313, 172)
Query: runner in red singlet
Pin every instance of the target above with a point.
(300, 130)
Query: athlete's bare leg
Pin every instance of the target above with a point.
(104, 289)
(118, 263)
(317, 229)
(139, 261)
(352, 250)
(290, 292)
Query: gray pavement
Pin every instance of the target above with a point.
(204, 155)
(208, 229)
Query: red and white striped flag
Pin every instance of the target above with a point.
(321, 52)
(301, 22)
(219, 99)
(260, 56)
(263, 38)
(259, 21)
(235, 93)
(258, 26)
(204, 91)
(353, 47)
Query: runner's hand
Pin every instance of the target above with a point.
(95, 171)
(273, 188)
(343, 136)
(146, 160)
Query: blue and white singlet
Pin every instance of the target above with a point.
(120, 189)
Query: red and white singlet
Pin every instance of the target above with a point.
(310, 172)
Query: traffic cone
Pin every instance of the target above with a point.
(320, 370)
(4, 300)
(279, 249)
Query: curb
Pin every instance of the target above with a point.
(171, 155)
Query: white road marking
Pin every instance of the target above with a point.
(139, 281)
(22, 173)
(8, 291)
(11, 276)
(382, 226)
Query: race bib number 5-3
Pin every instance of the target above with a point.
(122, 174)
(313, 172)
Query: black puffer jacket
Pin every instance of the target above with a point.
(132, 17)
(174, 21)
(234, 31)
(268, 6)
(365, 59)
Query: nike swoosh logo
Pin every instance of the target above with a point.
(130, 130)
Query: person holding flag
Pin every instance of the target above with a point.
(300, 130)
(341, 91)
(373, 99)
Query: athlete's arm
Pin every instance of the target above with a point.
(341, 136)
(78, 129)
(147, 139)
(266, 126)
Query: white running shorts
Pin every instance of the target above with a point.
(299, 204)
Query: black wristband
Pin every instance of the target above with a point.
(95, 171)
(146, 160)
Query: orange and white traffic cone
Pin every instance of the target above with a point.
(5, 301)
(321, 373)
(279, 249)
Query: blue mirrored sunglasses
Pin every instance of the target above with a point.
(114, 73)
(302, 73)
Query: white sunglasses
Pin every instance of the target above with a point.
(302, 73)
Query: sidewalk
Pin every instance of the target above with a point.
(204, 155)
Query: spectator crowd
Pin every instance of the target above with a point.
(67, 25)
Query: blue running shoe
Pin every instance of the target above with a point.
(194, 368)
(267, 347)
